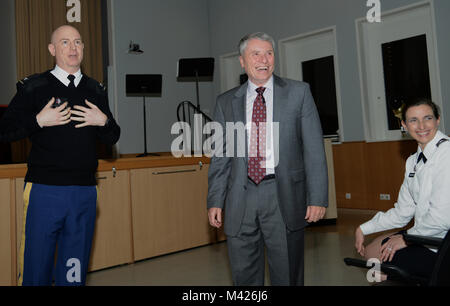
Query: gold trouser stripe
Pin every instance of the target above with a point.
(26, 200)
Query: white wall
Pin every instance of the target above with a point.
(166, 31)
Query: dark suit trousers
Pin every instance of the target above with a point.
(263, 229)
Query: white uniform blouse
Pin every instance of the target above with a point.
(424, 194)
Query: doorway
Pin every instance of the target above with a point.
(312, 58)
(394, 56)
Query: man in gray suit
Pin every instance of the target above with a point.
(268, 196)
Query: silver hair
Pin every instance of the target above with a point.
(258, 35)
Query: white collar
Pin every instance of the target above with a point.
(252, 87)
(61, 75)
(431, 146)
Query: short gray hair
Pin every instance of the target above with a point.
(258, 35)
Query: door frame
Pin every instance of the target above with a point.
(370, 120)
(332, 49)
(226, 71)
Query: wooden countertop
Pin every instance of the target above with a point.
(125, 162)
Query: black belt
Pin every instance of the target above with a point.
(266, 178)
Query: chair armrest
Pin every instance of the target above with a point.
(422, 240)
(388, 269)
(356, 262)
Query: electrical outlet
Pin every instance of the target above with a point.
(348, 196)
(385, 197)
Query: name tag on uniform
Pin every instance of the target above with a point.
(412, 174)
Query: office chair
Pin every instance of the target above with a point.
(440, 275)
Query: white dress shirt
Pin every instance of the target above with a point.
(424, 194)
(62, 75)
(268, 97)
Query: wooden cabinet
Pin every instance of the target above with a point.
(148, 207)
(112, 243)
(169, 210)
(6, 230)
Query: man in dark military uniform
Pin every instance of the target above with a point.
(63, 112)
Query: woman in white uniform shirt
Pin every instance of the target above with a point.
(424, 195)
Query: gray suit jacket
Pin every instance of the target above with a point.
(301, 173)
